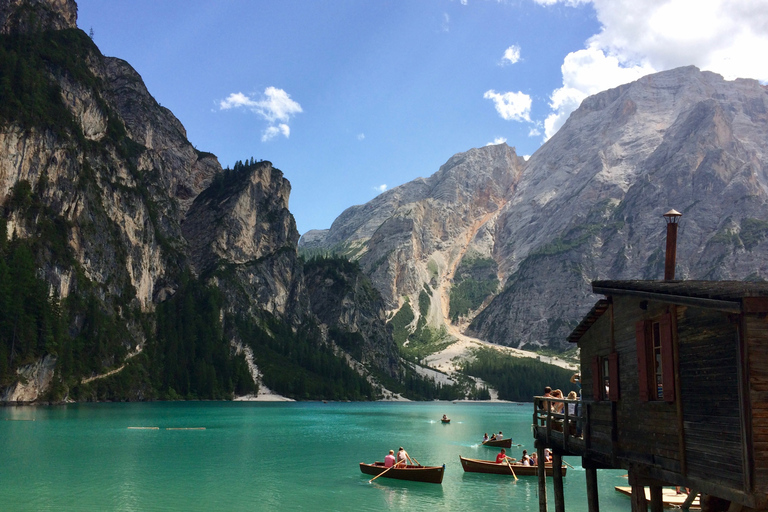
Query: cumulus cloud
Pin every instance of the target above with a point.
(534, 132)
(497, 141)
(380, 188)
(511, 55)
(512, 106)
(275, 106)
(637, 38)
(360, 136)
(587, 72)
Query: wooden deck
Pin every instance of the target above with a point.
(668, 494)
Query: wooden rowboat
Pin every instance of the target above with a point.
(499, 443)
(489, 466)
(447, 420)
(430, 474)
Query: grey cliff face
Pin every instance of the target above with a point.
(426, 223)
(23, 16)
(242, 223)
(590, 202)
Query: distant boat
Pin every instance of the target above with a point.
(446, 420)
(429, 474)
(489, 466)
(499, 443)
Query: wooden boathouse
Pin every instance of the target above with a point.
(674, 379)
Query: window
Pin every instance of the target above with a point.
(657, 366)
(655, 360)
(605, 377)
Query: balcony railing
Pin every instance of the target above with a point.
(560, 422)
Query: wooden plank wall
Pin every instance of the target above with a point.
(648, 431)
(756, 337)
(708, 348)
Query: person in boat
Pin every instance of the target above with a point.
(524, 457)
(533, 460)
(485, 437)
(402, 457)
(547, 455)
(493, 437)
(500, 436)
(389, 460)
(501, 458)
(445, 418)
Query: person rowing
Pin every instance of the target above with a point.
(502, 458)
(402, 457)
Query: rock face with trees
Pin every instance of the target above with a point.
(587, 205)
(132, 266)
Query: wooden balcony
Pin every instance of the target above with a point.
(557, 425)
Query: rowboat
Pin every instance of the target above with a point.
(446, 420)
(499, 443)
(489, 466)
(430, 474)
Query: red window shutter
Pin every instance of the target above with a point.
(613, 376)
(597, 379)
(667, 357)
(642, 360)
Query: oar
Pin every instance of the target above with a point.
(377, 476)
(414, 460)
(568, 465)
(510, 468)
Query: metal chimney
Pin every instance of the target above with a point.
(672, 217)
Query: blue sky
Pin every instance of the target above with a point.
(352, 97)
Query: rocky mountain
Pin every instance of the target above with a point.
(587, 205)
(132, 266)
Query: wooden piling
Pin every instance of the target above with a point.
(542, 477)
(557, 480)
(593, 503)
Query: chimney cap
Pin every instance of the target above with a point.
(672, 213)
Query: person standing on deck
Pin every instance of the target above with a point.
(389, 460)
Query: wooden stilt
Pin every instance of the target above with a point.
(657, 502)
(592, 499)
(557, 480)
(639, 502)
(542, 478)
(689, 500)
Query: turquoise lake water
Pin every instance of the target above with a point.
(266, 456)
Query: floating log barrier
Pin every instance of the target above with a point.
(185, 428)
(143, 428)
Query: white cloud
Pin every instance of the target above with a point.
(511, 55)
(380, 188)
(497, 141)
(360, 136)
(512, 106)
(587, 72)
(463, 2)
(534, 132)
(637, 38)
(275, 106)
